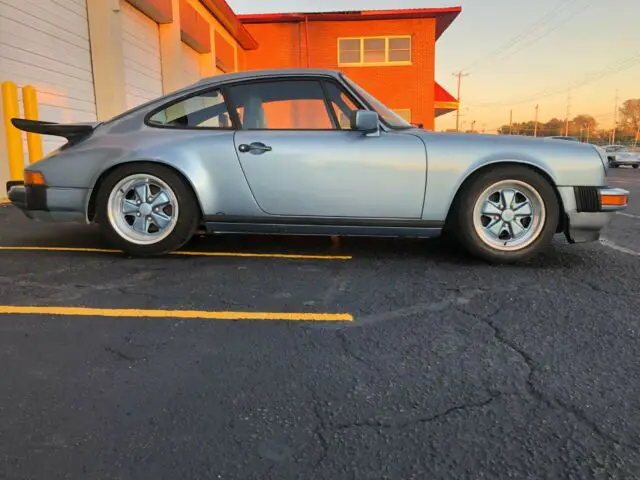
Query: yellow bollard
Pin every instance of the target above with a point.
(34, 140)
(14, 137)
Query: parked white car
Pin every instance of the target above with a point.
(618, 155)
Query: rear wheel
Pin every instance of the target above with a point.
(635, 166)
(146, 209)
(507, 214)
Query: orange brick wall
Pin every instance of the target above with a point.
(283, 45)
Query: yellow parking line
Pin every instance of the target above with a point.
(193, 254)
(190, 314)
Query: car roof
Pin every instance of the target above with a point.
(251, 74)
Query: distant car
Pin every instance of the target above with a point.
(562, 137)
(309, 152)
(619, 155)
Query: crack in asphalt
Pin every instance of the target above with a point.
(346, 347)
(123, 356)
(318, 431)
(551, 402)
(419, 420)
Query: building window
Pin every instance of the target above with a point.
(405, 113)
(374, 51)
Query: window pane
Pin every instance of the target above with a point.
(350, 57)
(350, 44)
(374, 56)
(341, 104)
(405, 113)
(374, 44)
(206, 110)
(400, 44)
(399, 55)
(282, 105)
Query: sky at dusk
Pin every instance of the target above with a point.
(520, 53)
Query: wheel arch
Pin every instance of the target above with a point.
(91, 203)
(471, 175)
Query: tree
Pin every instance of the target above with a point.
(630, 115)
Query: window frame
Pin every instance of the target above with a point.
(198, 93)
(387, 62)
(321, 80)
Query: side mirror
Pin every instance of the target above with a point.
(365, 121)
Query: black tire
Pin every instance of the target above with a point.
(635, 166)
(462, 215)
(186, 223)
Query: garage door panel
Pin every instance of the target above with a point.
(42, 78)
(191, 64)
(47, 16)
(45, 63)
(142, 63)
(44, 44)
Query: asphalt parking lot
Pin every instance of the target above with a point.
(305, 359)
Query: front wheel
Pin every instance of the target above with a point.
(507, 214)
(635, 166)
(146, 209)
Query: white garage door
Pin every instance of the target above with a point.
(45, 43)
(141, 50)
(191, 62)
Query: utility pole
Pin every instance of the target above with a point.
(615, 119)
(511, 121)
(535, 124)
(473, 126)
(459, 76)
(588, 131)
(566, 122)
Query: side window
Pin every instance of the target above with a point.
(281, 105)
(341, 104)
(207, 110)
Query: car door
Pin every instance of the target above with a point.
(301, 159)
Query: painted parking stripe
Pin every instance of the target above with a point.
(184, 253)
(187, 314)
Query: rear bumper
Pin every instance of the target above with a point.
(48, 204)
(585, 223)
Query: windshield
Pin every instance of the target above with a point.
(389, 117)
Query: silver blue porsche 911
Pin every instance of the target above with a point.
(309, 152)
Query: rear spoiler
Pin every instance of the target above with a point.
(70, 131)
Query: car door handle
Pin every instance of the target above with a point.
(256, 147)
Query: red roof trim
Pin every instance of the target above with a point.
(443, 16)
(227, 17)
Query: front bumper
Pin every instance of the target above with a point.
(594, 210)
(48, 204)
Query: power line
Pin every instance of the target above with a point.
(532, 28)
(544, 34)
(615, 67)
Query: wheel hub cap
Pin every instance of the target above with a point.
(509, 215)
(143, 209)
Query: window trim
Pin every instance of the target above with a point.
(387, 62)
(164, 106)
(319, 79)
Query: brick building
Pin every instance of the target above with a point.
(92, 59)
(390, 53)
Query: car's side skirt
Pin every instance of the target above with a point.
(306, 226)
